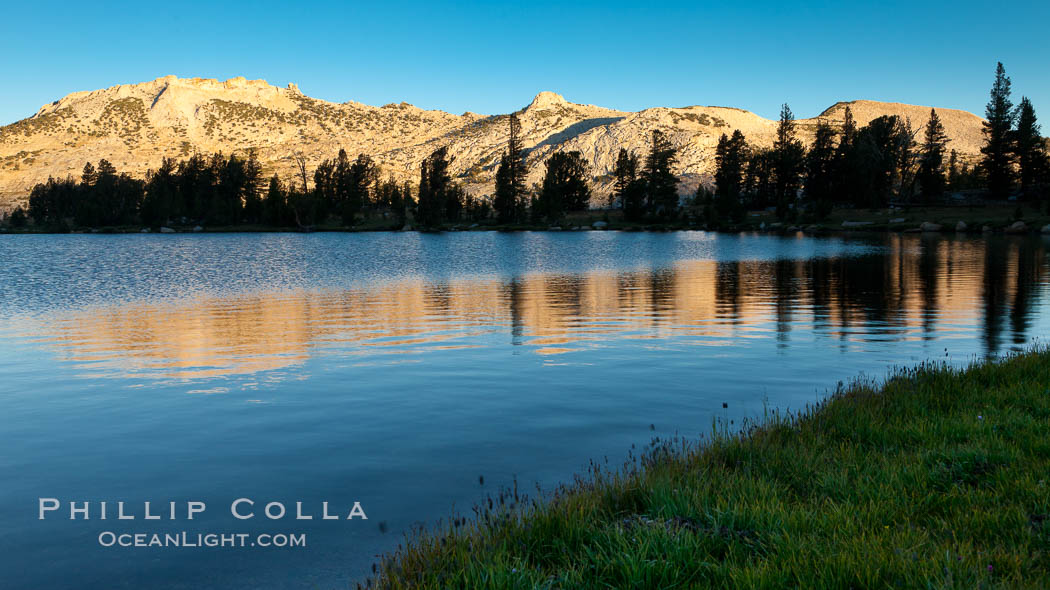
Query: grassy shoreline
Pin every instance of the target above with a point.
(937, 478)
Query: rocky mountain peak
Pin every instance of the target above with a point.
(546, 100)
(134, 126)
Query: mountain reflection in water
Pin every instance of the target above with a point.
(918, 288)
(395, 369)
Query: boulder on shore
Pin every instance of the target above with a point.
(961, 226)
(1017, 227)
(166, 230)
(987, 229)
(599, 225)
(854, 223)
(898, 220)
(198, 228)
(1046, 229)
(930, 226)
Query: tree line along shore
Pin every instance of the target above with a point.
(936, 478)
(847, 172)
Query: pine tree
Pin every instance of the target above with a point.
(228, 204)
(879, 160)
(52, 202)
(252, 191)
(435, 188)
(998, 149)
(94, 207)
(18, 218)
(455, 202)
(931, 159)
(788, 163)
(89, 176)
(661, 185)
(402, 205)
(423, 208)
(624, 171)
(849, 129)
(629, 189)
(731, 157)
(341, 182)
(397, 204)
(274, 203)
(504, 202)
(820, 169)
(758, 179)
(953, 170)
(195, 186)
(846, 172)
(564, 186)
(1029, 147)
(363, 175)
(510, 177)
(161, 201)
(325, 196)
(385, 194)
(907, 160)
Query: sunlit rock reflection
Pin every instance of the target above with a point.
(917, 288)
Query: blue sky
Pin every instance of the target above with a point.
(493, 57)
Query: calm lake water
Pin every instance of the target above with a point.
(395, 369)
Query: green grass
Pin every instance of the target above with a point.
(938, 478)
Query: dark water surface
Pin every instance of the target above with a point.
(395, 369)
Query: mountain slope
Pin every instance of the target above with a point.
(135, 125)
